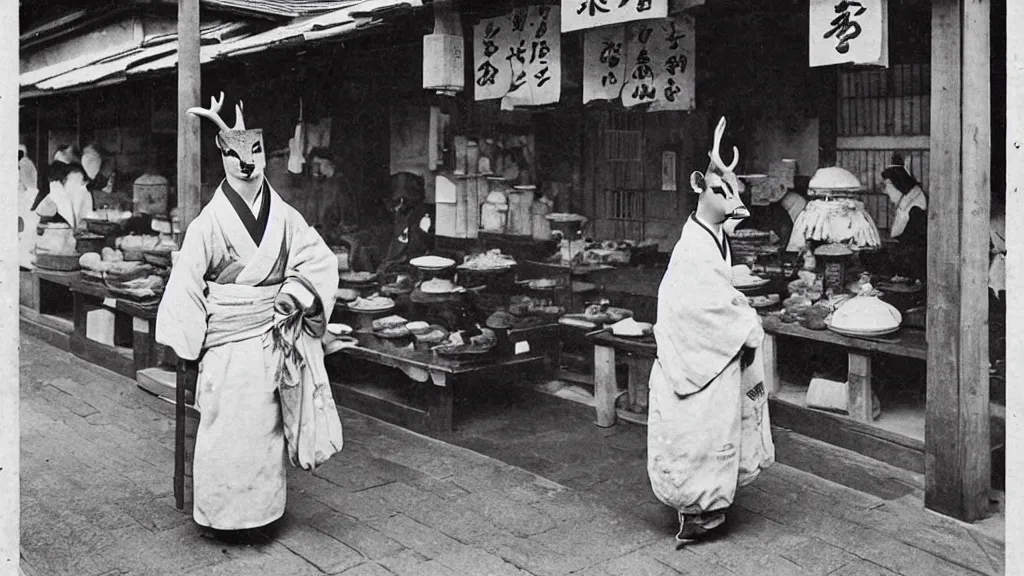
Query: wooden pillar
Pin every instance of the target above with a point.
(1014, 262)
(10, 507)
(958, 456)
(188, 97)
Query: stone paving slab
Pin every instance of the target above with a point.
(97, 461)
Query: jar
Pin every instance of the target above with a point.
(541, 228)
(494, 213)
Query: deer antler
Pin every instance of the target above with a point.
(212, 113)
(239, 122)
(716, 157)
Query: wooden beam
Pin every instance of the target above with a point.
(976, 163)
(1015, 263)
(188, 126)
(958, 461)
(10, 454)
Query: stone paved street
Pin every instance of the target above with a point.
(97, 459)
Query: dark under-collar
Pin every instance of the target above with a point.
(724, 247)
(256, 226)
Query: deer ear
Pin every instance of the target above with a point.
(697, 182)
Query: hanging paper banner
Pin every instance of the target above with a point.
(580, 14)
(491, 40)
(536, 59)
(604, 62)
(677, 78)
(518, 57)
(849, 32)
(649, 62)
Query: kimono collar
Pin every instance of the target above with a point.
(255, 226)
(724, 247)
(913, 199)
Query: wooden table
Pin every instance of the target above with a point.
(907, 343)
(46, 305)
(145, 352)
(425, 367)
(640, 355)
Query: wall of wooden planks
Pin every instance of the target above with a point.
(958, 457)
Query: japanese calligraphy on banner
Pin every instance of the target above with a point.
(649, 62)
(849, 32)
(518, 57)
(580, 14)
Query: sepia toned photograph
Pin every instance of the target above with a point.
(511, 288)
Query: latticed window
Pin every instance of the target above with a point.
(882, 111)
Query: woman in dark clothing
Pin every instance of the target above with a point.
(910, 223)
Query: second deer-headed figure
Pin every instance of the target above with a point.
(718, 186)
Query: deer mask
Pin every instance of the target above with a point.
(241, 150)
(719, 188)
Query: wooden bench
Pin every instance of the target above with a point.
(907, 343)
(640, 354)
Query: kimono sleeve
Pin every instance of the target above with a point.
(314, 265)
(181, 320)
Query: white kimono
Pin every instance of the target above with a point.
(262, 380)
(708, 429)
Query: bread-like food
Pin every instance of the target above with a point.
(388, 323)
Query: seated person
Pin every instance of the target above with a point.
(413, 232)
(909, 226)
(69, 199)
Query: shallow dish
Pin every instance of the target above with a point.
(864, 333)
(339, 329)
(751, 283)
(432, 263)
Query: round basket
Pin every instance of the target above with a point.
(102, 227)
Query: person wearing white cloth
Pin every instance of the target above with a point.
(28, 189)
(69, 198)
(708, 430)
(249, 297)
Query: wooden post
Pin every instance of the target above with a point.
(958, 457)
(188, 96)
(605, 386)
(859, 401)
(1014, 262)
(10, 506)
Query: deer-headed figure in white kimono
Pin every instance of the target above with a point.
(708, 429)
(249, 298)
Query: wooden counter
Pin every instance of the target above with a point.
(438, 373)
(127, 362)
(46, 305)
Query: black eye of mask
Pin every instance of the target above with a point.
(256, 148)
(721, 191)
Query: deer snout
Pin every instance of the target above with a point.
(247, 168)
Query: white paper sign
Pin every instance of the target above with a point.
(604, 61)
(535, 58)
(580, 14)
(518, 57)
(849, 32)
(649, 62)
(492, 75)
